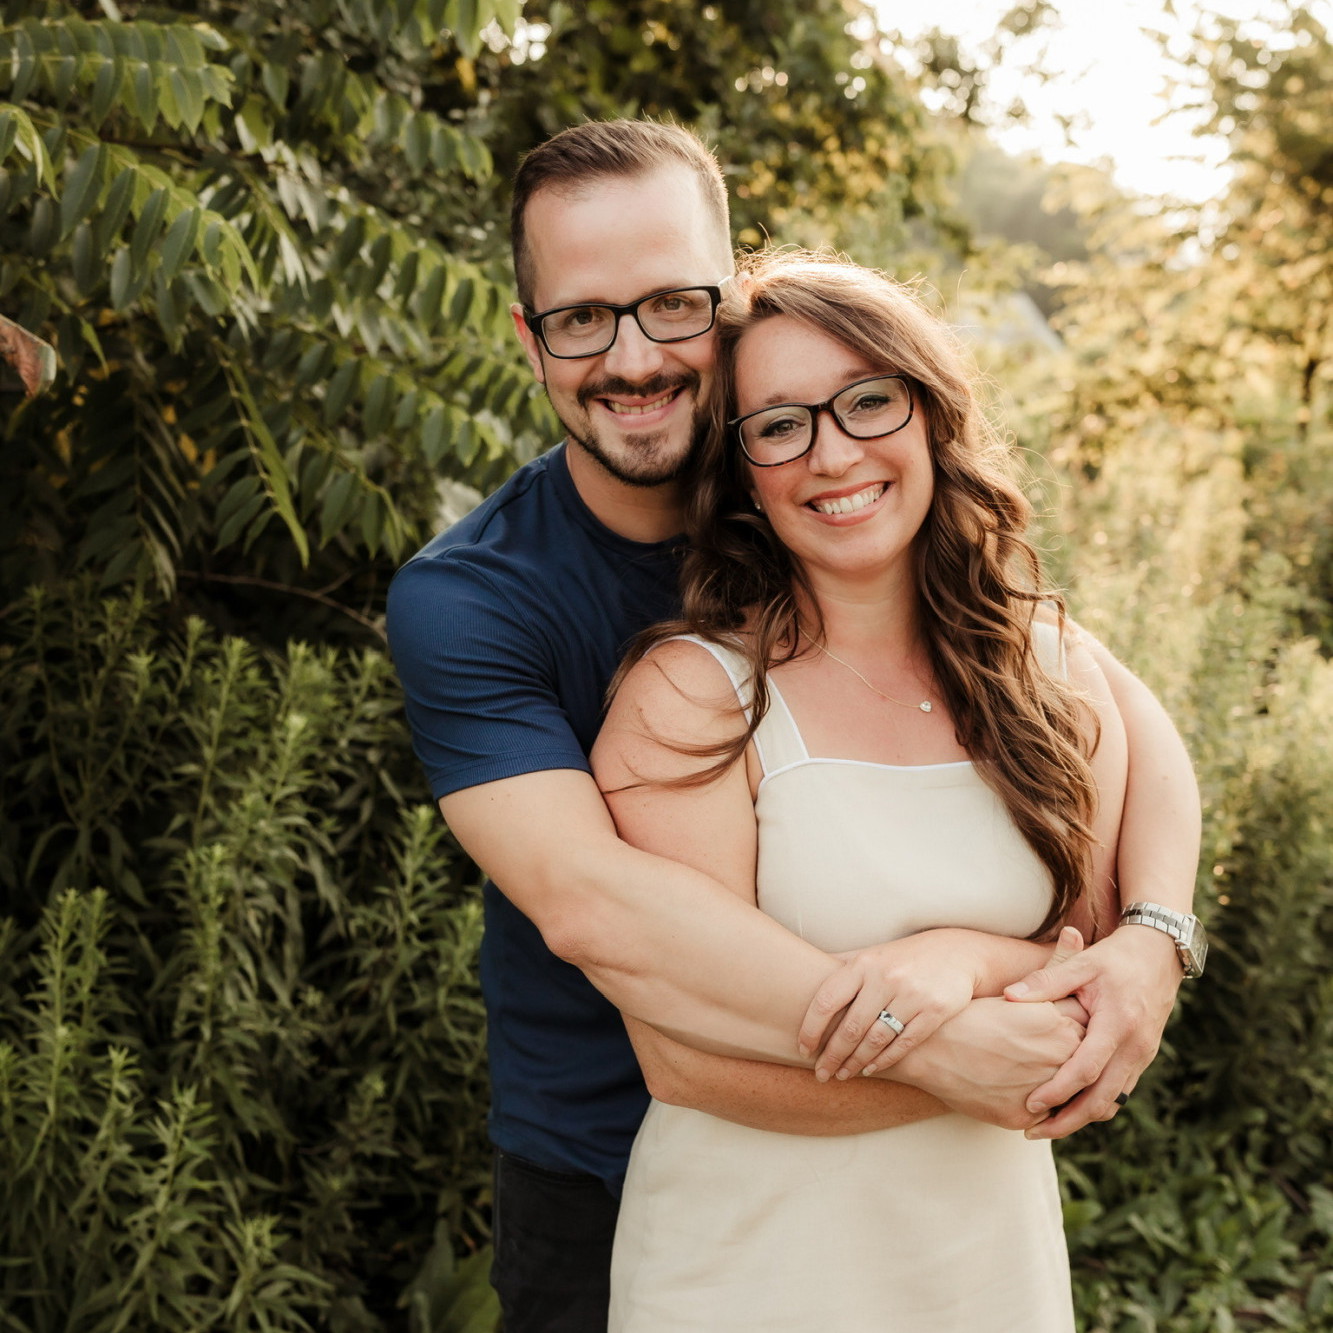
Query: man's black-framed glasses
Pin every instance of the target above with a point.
(572, 331)
(866, 409)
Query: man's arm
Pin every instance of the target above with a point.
(663, 941)
(1128, 980)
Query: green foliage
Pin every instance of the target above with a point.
(253, 249)
(1189, 493)
(808, 116)
(241, 1056)
(1268, 90)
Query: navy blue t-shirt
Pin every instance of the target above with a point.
(505, 631)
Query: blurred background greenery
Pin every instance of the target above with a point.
(242, 1073)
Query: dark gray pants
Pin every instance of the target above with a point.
(553, 1232)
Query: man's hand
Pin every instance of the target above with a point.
(1127, 982)
(984, 1064)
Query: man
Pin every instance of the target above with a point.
(505, 631)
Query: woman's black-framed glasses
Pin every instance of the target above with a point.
(867, 409)
(572, 331)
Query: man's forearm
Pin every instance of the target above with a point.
(1160, 831)
(664, 942)
(669, 946)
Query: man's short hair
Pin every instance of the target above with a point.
(602, 149)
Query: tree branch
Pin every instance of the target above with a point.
(252, 581)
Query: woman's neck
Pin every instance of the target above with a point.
(869, 619)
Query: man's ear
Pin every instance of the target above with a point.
(529, 340)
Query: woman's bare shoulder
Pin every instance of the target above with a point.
(683, 681)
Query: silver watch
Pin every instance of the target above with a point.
(1186, 930)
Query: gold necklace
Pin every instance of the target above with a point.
(925, 705)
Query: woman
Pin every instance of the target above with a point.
(873, 731)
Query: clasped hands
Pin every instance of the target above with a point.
(1070, 1035)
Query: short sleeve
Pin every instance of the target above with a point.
(478, 679)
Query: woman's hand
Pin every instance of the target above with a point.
(922, 980)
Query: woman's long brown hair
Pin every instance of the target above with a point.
(978, 577)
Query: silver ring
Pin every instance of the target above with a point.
(890, 1022)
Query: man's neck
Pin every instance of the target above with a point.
(639, 513)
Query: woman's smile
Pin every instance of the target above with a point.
(840, 504)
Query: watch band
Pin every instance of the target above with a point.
(1184, 929)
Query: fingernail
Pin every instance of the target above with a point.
(803, 1051)
(868, 1070)
(1018, 988)
(821, 1075)
(842, 1075)
(1036, 1108)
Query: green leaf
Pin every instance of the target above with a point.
(349, 243)
(313, 364)
(375, 413)
(66, 74)
(115, 210)
(372, 521)
(381, 252)
(430, 299)
(167, 104)
(416, 143)
(25, 64)
(240, 504)
(122, 268)
(269, 461)
(337, 507)
(188, 97)
(142, 89)
(276, 83)
(211, 245)
(179, 242)
(83, 261)
(254, 126)
(443, 147)
(32, 146)
(166, 308)
(82, 187)
(407, 276)
(339, 391)
(460, 305)
(148, 227)
(433, 438)
(42, 227)
(467, 28)
(106, 89)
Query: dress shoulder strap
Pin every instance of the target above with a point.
(777, 741)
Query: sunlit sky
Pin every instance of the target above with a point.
(1111, 76)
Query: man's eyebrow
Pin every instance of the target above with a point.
(652, 291)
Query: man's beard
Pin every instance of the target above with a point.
(644, 462)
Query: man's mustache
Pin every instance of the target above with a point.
(653, 388)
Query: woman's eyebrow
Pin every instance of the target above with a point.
(781, 396)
